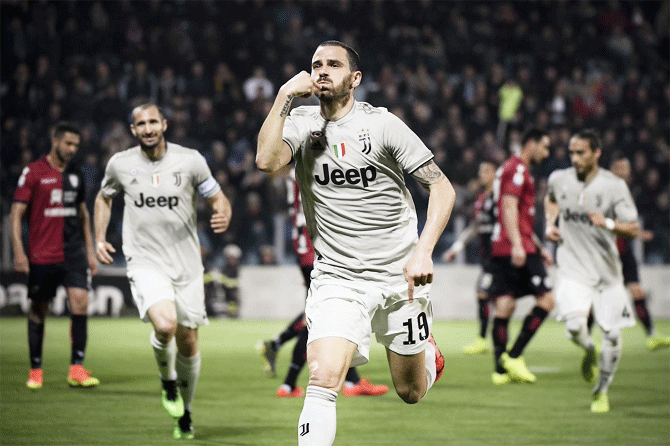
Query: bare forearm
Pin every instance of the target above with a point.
(270, 154)
(551, 211)
(18, 209)
(511, 219)
(220, 205)
(440, 204)
(626, 229)
(102, 213)
(85, 220)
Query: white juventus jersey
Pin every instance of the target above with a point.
(159, 218)
(588, 253)
(360, 216)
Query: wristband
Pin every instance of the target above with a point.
(458, 246)
(101, 245)
(609, 224)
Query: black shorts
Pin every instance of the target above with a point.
(307, 274)
(507, 280)
(485, 277)
(43, 280)
(629, 264)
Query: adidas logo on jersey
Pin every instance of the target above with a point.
(577, 217)
(161, 201)
(352, 176)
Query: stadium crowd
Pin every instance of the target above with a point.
(467, 77)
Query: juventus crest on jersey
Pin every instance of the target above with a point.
(359, 213)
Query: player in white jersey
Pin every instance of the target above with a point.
(159, 182)
(594, 207)
(349, 160)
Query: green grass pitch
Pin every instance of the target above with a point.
(235, 403)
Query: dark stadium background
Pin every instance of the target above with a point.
(440, 65)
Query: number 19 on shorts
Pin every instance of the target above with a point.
(421, 325)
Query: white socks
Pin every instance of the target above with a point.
(165, 357)
(431, 370)
(609, 359)
(188, 371)
(318, 420)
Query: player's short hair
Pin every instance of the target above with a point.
(532, 134)
(65, 127)
(352, 55)
(592, 136)
(144, 107)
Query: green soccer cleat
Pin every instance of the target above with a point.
(268, 355)
(478, 347)
(500, 379)
(173, 403)
(517, 370)
(183, 427)
(589, 368)
(600, 403)
(657, 342)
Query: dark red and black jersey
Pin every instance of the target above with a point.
(302, 244)
(484, 215)
(513, 178)
(53, 200)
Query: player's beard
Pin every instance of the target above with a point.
(63, 158)
(338, 93)
(153, 146)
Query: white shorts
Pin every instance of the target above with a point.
(611, 305)
(354, 310)
(149, 286)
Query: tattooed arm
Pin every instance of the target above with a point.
(419, 268)
(272, 152)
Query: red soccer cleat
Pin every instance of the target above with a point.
(282, 392)
(365, 387)
(439, 359)
(35, 379)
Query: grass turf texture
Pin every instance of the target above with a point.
(235, 403)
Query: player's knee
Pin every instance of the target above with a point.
(165, 329)
(411, 394)
(612, 337)
(574, 326)
(547, 301)
(323, 377)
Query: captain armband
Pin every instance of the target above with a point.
(208, 187)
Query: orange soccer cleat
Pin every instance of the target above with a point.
(80, 377)
(35, 379)
(284, 392)
(364, 387)
(439, 359)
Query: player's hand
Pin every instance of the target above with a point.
(418, 271)
(597, 218)
(448, 256)
(546, 257)
(21, 263)
(645, 235)
(92, 263)
(219, 222)
(301, 85)
(553, 233)
(102, 250)
(518, 256)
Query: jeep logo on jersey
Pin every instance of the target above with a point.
(161, 201)
(568, 215)
(352, 176)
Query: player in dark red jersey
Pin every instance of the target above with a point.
(354, 385)
(517, 263)
(482, 225)
(51, 191)
(631, 278)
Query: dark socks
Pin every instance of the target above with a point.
(499, 341)
(530, 326)
(35, 340)
(643, 315)
(170, 387)
(298, 359)
(293, 330)
(483, 316)
(353, 376)
(78, 334)
(589, 322)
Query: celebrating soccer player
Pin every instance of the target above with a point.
(159, 181)
(594, 207)
(372, 271)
